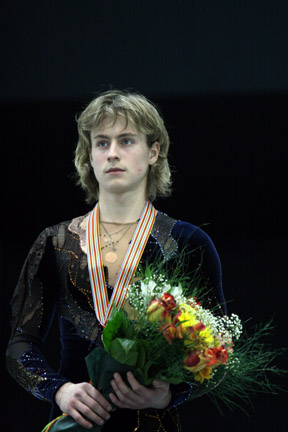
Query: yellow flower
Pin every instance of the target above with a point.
(203, 374)
(189, 318)
(155, 310)
(207, 336)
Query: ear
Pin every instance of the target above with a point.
(154, 152)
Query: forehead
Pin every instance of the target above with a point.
(118, 124)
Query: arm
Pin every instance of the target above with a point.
(33, 308)
(203, 263)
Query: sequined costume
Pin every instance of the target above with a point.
(55, 280)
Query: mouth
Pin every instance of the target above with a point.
(114, 170)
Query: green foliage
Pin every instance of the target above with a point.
(118, 326)
(139, 344)
(251, 369)
(124, 351)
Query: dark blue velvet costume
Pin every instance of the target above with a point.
(55, 279)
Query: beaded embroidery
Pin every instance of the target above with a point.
(161, 232)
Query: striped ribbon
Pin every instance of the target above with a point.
(102, 305)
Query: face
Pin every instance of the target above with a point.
(120, 157)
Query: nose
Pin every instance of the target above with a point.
(113, 153)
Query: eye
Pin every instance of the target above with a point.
(102, 144)
(127, 141)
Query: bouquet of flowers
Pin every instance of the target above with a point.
(170, 337)
(165, 333)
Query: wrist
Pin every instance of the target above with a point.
(164, 403)
(59, 393)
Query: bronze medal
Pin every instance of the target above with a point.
(111, 257)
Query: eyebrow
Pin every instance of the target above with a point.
(123, 135)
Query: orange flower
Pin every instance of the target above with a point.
(196, 361)
(209, 356)
(221, 355)
(169, 333)
(155, 310)
(199, 365)
(161, 308)
(203, 374)
(173, 329)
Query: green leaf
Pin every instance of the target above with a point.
(171, 379)
(143, 347)
(118, 325)
(148, 372)
(124, 351)
(148, 273)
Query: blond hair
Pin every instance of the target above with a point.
(138, 110)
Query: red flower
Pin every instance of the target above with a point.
(191, 360)
(198, 327)
(209, 356)
(169, 301)
(221, 354)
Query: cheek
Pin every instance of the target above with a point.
(95, 161)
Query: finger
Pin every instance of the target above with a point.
(123, 402)
(116, 401)
(80, 420)
(160, 384)
(128, 390)
(135, 385)
(93, 411)
(123, 396)
(120, 388)
(81, 413)
(126, 397)
(84, 403)
(97, 396)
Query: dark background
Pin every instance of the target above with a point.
(218, 70)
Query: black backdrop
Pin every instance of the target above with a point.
(221, 84)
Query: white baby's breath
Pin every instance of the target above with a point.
(146, 290)
(141, 294)
(177, 293)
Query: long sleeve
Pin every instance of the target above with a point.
(203, 263)
(33, 309)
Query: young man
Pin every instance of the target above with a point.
(121, 160)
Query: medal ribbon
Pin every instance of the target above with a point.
(102, 305)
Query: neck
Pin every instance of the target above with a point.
(120, 208)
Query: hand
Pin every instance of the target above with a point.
(138, 396)
(79, 400)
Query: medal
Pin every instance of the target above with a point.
(111, 257)
(102, 305)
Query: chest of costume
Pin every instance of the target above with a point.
(75, 302)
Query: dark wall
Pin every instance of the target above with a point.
(60, 50)
(218, 71)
